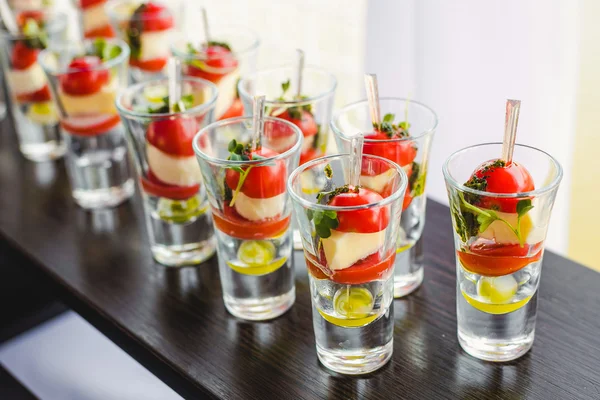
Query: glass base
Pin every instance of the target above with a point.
(354, 362)
(188, 254)
(406, 284)
(104, 198)
(260, 310)
(496, 350)
(41, 152)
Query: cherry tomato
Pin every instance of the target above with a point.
(233, 224)
(218, 58)
(309, 155)
(39, 96)
(261, 182)
(363, 221)
(236, 109)
(105, 31)
(154, 186)
(513, 178)
(85, 79)
(492, 259)
(89, 3)
(154, 65)
(155, 17)
(306, 122)
(400, 152)
(23, 57)
(173, 136)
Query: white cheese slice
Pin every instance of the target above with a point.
(259, 209)
(344, 249)
(180, 171)
(30, 80)
(502, 234)
(101, 102)
(155, 45)
(94, 17)
(377, 183)
(227, 90)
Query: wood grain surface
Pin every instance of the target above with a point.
(173, 320)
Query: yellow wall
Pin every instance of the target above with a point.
(584, 235)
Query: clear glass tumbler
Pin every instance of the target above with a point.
(251, 212)
(499, 239)
(230, 54)
(177, 213)
(84, 78)
(408, 147)
(349, 238)
(93, 19)
(35, 115)
(148, 27)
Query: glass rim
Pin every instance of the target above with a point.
(58, 21)
(532, 193)
(231, 121)
(247, 49)
(194, 110)
(289, 103)
(122, 57)
(316, 206)
(427, 132)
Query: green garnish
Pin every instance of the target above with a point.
(241, 152)
(416, 182)
(134, 31)
(388, 127)
(324, 221)
(294, 112)
(328, 171)
(220, 44)
(328, 196)
(35, 36)
(183, 104)
(105, 50)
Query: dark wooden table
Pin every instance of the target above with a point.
(173, 320)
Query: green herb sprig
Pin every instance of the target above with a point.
(105, 50)
(241, 152)
(392, 130)
(324, 221)
(186, 102)
(35, 36)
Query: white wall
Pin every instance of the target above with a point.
(467, 58)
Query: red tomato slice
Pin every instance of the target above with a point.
(90, 125)
(261, 182)
(155, 187)
(155, 17)
(39, 96)
(219, 62)
(400, 152)
(367, 270)
(306, 122)
(233, 224)
(105, 31)
(362, 221)
(173, 136)
(86, 79)
(23, 57)
(154, 65)
(513, 178)
(235, 110)
(491, 259)
(89, 3)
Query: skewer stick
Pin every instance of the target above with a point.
(510, 129)
(373, 96)
(258, 112)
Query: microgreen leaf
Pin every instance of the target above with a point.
(523, 207)
(485, 219)
(389, 118)
(285, 86)
(324, 222)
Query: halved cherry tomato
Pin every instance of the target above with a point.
(219, 62)
(362, 221)
(513, 178)
(261, 182)
(89, 125)
(105, 31)
(370, 269)
(309, 155)
(492, 259)
(154, 65)
(155, 17)
(38, 96)
(89, 3)
(233, 224)
(400, 152)
(154, 186)
(173, 136)
(23, 57)
(236, 109)
(86, 79)
(306, 122)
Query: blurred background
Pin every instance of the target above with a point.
(463, 59)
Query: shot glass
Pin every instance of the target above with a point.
(35, 115)
(349, 238)
(499, 239)
(84, 78)
(177, 213)
(251, 212)
(229, 55)
(93, 19)
(148, 27)
(407, 146)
